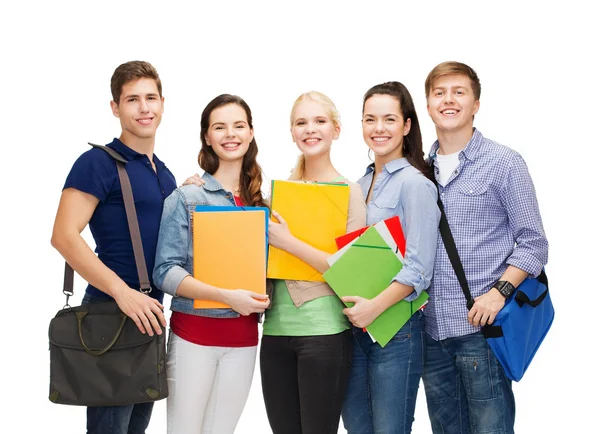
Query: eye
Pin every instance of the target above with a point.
(438, 93)
(459, 92)
(218, 128)
(390, 120)
(300, 123)
(240, 126)
(131, 99)
(368, 120)
(152, 98)
(322, 121)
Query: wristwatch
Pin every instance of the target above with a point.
(505, 288)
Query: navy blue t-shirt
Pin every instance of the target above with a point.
(95, 172)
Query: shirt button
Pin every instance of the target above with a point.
(443, 194)
(470, 191)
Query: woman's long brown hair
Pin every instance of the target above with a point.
(251, 173)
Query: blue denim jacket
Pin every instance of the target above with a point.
(174, 249)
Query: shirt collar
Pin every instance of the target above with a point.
(469, 151)
(391, 167)
(130, 154)
(123, 149)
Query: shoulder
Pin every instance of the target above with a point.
(414, 183)
(498, 154)
(95, 159)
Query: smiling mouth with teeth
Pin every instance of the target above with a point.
(380, 139)
(145, 121)
(230, 145)
(449, 112)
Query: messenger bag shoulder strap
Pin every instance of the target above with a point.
(452, 252)
(132, 221)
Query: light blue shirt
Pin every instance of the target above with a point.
(403, 191)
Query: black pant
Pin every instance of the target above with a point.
(304, 381)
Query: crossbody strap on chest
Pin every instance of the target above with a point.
(132, 222)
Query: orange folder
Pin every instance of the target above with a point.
(316, 213)
(229, 251)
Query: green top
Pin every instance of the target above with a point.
(321, 316)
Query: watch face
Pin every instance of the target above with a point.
(505, 289)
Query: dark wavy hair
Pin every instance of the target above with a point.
(251, 174)
(412, 143)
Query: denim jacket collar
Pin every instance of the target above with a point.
(211, 183)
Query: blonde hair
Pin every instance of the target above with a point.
(332, 112)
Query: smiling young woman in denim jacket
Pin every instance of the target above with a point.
(306, 347)
(211, 352)
(383, 385)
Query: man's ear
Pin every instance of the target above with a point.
(115, 108)
(475, 107)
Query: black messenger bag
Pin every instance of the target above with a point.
(98, 356)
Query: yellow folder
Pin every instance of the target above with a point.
(229, 250)
(316, 213)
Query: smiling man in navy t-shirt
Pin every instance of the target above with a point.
(92, 195)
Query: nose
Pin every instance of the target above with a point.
(448, 98)
(230, 131)
(143, 105)
(379, 126)
(310, 127)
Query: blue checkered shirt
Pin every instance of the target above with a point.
(495, 220)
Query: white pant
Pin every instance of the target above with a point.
(208, 386)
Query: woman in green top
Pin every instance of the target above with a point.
(306, 348)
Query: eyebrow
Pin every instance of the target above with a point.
(223, 123)
(135, 95)
(384, 116)
(451, 87)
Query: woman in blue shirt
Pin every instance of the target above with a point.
(383, 385)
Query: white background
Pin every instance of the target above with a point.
(538, 64)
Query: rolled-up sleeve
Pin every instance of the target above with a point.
(173, 244)
(518, 197)
(418, 203)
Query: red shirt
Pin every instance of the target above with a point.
(217, 332)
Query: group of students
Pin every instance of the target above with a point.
(316, 362)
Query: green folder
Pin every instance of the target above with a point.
(366, 269)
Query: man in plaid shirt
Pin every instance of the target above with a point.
(491, 206)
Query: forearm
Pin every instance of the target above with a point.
(391, 295)
(312, 256)
(514, 275)
(85, 262)
(197, 290)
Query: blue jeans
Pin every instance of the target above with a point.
(122, 419)
(466, 388)
(383, 384)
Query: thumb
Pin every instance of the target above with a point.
(351, 299)
(278, 217)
